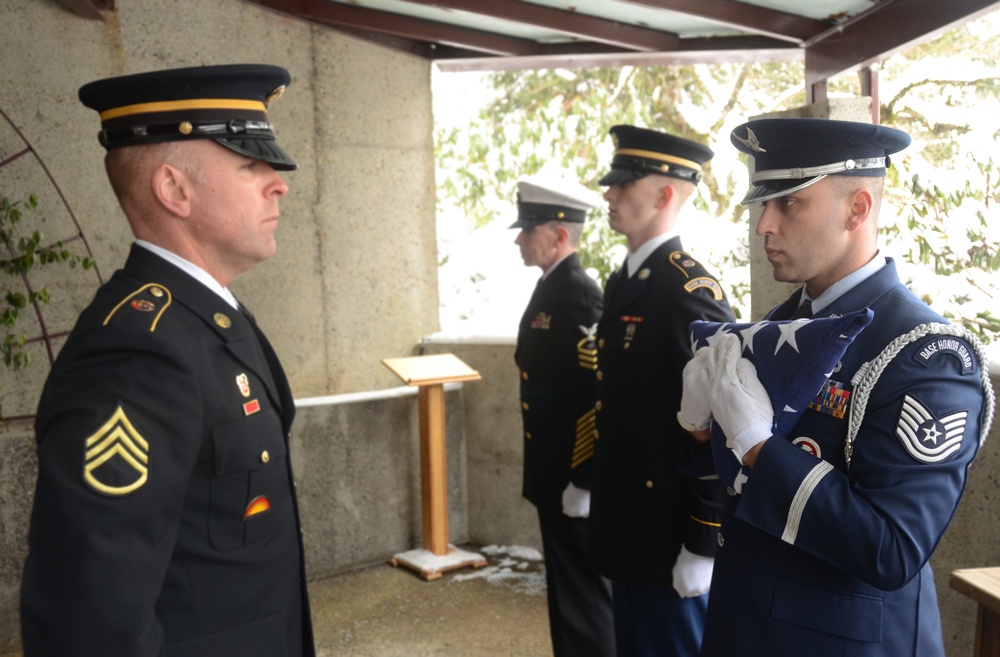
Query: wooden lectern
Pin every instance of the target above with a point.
(430, 373)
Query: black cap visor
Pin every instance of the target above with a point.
(776, 189)
(621, 176)
(264, 150)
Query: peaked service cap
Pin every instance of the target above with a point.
(226, 103)
(791, 153)
(539, 202)
(640, 152)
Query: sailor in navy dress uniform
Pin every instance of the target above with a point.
(825, 550)
(556, 357)
(165, 520)
(653, 529)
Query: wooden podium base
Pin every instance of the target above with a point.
(430, 566)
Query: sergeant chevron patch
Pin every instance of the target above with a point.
(929, 439)
(116, 460)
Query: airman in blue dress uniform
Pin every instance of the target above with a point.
(165, 519)
(825, 550)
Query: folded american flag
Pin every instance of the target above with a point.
(794, 359)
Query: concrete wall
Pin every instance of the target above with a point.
(343, 290)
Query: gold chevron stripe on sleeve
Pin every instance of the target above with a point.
(119, 443)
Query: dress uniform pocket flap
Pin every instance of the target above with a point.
(248, 444)
(846, 615)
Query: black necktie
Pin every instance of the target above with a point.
(805, 309)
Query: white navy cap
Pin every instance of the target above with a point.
(541, 201)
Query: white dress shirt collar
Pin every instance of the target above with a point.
(194, 270)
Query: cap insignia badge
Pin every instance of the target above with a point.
(274, 95)
(750, 142)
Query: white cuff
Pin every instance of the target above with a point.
(748, 438)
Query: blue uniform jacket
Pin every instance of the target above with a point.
(820, 558)
(165, 521)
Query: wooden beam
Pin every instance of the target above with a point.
(869, 87)
(883, 30)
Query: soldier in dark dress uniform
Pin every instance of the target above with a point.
(557, 359)
(653, 529)
(825, 549)
(165, 520)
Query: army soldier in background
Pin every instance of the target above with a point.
(653, 530)
(557, 357)
(165, 520)
(825, 551)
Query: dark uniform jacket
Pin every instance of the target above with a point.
(557, 357)
(165, 521)
(642, 507)
(823, 558)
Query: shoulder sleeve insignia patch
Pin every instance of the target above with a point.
(946, 344)
(929, 439)
(706, 282)
(151, 298)
(116, 457)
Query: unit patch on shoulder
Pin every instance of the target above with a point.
(707, 282)
(682, 261)
(929, 439)
(150, 298)
(946, 344)
(116, 457)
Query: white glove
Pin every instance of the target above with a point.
(576, 501)
(692, 574)
(740, 404)
(696, 406)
